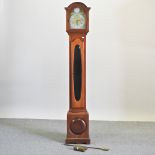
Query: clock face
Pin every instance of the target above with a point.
(77, 19)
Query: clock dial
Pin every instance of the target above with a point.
(77, 19)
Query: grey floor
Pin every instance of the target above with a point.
(46, 137)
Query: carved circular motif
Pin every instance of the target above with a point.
(78, 126)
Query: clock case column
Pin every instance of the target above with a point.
(77, 116)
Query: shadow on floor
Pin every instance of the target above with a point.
(45, 133)
(52, 135)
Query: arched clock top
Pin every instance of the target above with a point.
(77, 18)
(77, 4)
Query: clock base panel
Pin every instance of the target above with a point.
(77, 128)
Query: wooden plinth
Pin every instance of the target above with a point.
(77, 128)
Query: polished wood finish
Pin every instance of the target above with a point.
(85, 10)
(77, 116)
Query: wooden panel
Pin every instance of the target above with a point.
(77, 103)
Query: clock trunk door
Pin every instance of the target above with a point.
(77, 72)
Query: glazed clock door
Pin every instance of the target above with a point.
(78, 71)
(77, 19)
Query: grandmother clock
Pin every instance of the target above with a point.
(77, 27)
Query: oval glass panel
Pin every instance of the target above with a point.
(77, 72)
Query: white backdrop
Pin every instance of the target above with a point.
(120, 59)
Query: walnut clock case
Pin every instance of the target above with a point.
(77, 27)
